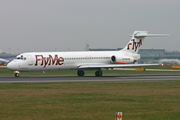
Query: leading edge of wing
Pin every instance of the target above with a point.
(112, 66)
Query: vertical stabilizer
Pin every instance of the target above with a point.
(136, 42)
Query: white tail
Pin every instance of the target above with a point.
(137, 39)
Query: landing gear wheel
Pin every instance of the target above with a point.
(98, 73)
(16, 74)
(80, 73)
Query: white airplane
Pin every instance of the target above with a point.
(80, 61)
(5, 60)
(170, 61)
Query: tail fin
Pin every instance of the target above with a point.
(137, 40)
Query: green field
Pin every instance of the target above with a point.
(142, 100)
(148, 100)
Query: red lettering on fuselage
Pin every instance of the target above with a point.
(135, 45)
(38, 59)
(49, 60)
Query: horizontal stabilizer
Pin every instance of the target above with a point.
(151, 35)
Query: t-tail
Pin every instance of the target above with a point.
(137, 40)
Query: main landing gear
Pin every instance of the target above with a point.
(16, 73)
(97, 73)
(80, 73)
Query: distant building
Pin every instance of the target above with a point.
(102, 49)
(151, 52)
(142, 52)
(87, 47)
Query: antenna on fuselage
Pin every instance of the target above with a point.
(87, 46)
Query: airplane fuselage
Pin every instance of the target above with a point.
(43, 61)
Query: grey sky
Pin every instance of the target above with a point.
(43, 25)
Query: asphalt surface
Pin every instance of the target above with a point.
(108, 78)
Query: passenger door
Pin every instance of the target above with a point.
(30, 60)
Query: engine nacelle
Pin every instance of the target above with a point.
(122, 60)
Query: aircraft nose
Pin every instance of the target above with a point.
(10, 66)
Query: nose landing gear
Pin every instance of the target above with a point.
(16, 73)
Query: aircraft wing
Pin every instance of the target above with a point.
(5, 60)
(112, 66)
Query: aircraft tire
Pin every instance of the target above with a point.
(16, 74)
(80, 73)
(98, 73)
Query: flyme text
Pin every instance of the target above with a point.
(44, 61)
(135, 45)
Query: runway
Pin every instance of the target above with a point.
(106, 78)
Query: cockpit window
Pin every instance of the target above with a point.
(21, 57)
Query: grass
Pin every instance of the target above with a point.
(143, 100)
(157, 100)
(6, 72)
